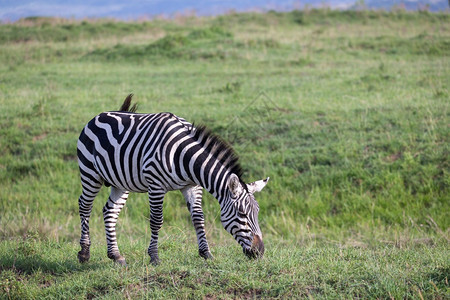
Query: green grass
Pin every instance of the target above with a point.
(347, 112)
(40, 268)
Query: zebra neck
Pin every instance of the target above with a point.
(213, 177)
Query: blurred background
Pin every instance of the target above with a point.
(13, 10)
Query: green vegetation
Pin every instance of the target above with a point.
(44, 269)
(347, 112)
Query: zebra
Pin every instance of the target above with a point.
(154, 154)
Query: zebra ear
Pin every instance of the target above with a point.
(234, 185)
(257, 186)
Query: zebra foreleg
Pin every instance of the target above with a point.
(90, 190)
(156, 197)
(193, 196)
(111, 211)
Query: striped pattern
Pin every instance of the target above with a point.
(157, 153)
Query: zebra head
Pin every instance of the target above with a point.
(240, 215)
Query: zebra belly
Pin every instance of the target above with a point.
(121, 173)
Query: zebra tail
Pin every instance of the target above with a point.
(126, 105)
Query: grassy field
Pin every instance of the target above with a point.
(347, 112)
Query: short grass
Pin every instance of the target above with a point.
(34, 268)
(347, 112)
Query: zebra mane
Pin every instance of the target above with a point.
(219, 149)
(214, 144)
(126, 105)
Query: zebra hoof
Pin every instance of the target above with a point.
(206, 255)
(120, 261)
(83, 256)
(117, 258)
(155, 261)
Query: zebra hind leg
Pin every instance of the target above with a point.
(193, 196)
(90, 190)
(111, 210)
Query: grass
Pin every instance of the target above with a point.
(347, 112)
(41, 269)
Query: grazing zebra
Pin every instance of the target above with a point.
(157, 153)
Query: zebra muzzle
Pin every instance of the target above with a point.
(257, 248)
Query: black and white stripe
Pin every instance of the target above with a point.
(157, 153)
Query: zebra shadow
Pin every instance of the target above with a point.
(40, 263)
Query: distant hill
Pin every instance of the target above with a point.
(432, 5)
(132, 9)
